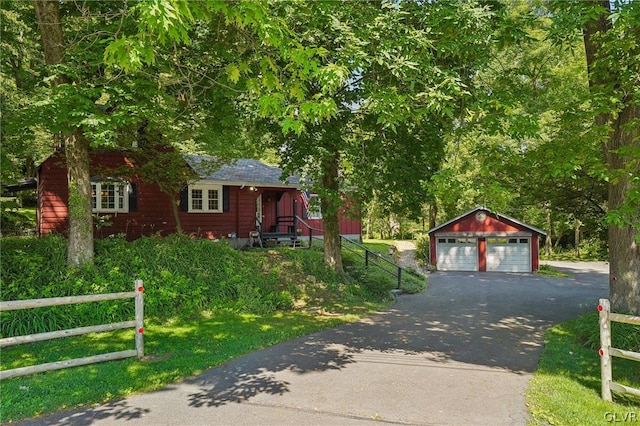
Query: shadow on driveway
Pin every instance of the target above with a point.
(462, 352)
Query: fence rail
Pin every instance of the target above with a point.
(137, 323)
(606, 351)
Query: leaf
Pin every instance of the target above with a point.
(233, 73)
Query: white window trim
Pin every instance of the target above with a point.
(96, 189)
(314, 212)
(205, 187)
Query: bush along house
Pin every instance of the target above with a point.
(244, 200)
(481, 240)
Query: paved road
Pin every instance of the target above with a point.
(460, 353)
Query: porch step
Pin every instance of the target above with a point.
(273, 241)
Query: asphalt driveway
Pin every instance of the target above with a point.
(460, 353)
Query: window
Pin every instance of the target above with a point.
(496, 241)
(205, 198)
(109, 196)
(524, 241)
(466, 240)
(314, 211)
(442, 240)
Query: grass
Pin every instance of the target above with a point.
(548, 271)
(411, 280)
(565, 389)
(379, 246)
(172, 352)
(198, 313)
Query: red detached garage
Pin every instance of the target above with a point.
(480, 240)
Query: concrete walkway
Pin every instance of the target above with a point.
(460, 353)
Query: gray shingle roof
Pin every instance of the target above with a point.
(240, 172)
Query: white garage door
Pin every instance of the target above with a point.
(457, 254)
(508, 254)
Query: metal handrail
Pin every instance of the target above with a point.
(398, 271)
(307, 225)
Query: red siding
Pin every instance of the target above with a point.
(489, 225)
(155, 215)
(498, 225)
(535, 255)
(52, 196)
(482, 254)
(348, 224)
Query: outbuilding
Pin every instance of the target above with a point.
(482, 240)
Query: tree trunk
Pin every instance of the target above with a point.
(433, 212)
(559, 233)
(548, 244)
(176, 213)
(80, 248)
(576, 237)
(624, 250)
(330, 206)
(394, 226)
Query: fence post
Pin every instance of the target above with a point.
(399, 276)
(366, 258)
(139, 302)
(606, 374)
(310, 237)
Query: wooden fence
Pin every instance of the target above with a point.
(138, 323)
(606, 351)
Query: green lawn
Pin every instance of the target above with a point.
(379, 246)
(548, 271)
(205, 303)
(565, 389)
(172, 351)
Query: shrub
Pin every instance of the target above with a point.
(623, 336)
(422, 249)
(183, 279)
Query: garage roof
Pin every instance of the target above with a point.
(489, 212)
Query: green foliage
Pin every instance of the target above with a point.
(183, 278)
(623, 336)
(368, 282)
(378, 279)
(13, 220)
(570, 367)
(422, 249)
(548, 271)
(173, 351)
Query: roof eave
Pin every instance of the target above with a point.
(498, 215)
(256, 184)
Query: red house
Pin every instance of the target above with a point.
(232, 201)
(480, 240)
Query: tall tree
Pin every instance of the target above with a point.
(23, 146)
(395, 76)
(610, 30)
(80, 249)
(86, 103)
(330, 72)
(606, 44)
